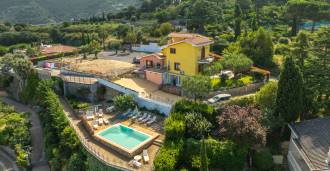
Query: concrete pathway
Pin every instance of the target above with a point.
(39, 162)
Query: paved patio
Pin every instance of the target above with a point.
(147, 89)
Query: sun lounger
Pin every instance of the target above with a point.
(135, 164)
(106, 122)
(110, 109)
(89, 117)
(95, 125)
(146, 119)
(143, 117)
(127, 112)
(136, 116)
(100, 121)
(145, 156)
(152, 120)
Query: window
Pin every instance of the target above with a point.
(158, 65)
(177, 66)
(149, 64)
(172, 50)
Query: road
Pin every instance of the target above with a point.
(39, 162)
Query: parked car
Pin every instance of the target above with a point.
(219, 98)
(136, 60)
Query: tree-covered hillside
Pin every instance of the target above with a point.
(45, 11)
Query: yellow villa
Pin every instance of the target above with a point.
(186, 54)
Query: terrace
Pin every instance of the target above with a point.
(106, 152)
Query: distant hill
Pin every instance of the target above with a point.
(45, 11)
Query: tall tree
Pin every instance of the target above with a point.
(289, 101)
(259, 47)
(103, 34)
(318, 68)
(238, 19)
(301, 48)
(203, 156)
(241, 124)
(196, 87)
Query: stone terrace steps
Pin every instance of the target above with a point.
(158, 143)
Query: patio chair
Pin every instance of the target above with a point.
(127, 112)
(135, 164)
(110, 109)
(95, 125)
(145, 156)
(146, 119)
(152, 120)
(105, 121)
(143, 117)
(136, 116)
(89, 117)
(100, 121)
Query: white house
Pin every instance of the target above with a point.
(309, 145)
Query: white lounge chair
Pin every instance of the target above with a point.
(135, 164)
(136, 116)
(145, 156)
(146, 119)
(106, 122)
(100, 121)
(110, 109)
(95, 125)
(143, 117)
(152, 120)
(127, 112)
(89, 117)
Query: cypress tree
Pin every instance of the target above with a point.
(238, 14)
(289, 102)
(203, 156)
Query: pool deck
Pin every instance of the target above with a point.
(106, 154)
(123, 150)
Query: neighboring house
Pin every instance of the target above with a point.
(309, 145)
(185, 54)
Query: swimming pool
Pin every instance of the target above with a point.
(124, 136)
(124, 139)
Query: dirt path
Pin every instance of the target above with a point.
(39, 163)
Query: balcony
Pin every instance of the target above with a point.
(207, 60)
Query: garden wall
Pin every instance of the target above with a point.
(240, 91)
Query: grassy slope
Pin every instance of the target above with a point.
(41, 11)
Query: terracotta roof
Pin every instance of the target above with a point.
(157, 55)
(314, 139)
(57, 49)
(194, 39)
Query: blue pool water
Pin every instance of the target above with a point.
(124, 136)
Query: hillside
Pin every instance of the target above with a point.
(45, 11)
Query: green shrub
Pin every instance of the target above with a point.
(265, 98)
(175, 127)
(263, 160)
(281, 49)
(168, 157)
(226, 155)
(124, 102)
(197, 125)
(284, 40)
(247, 79)
(21, 158)
(187, 106)
(240, 101)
